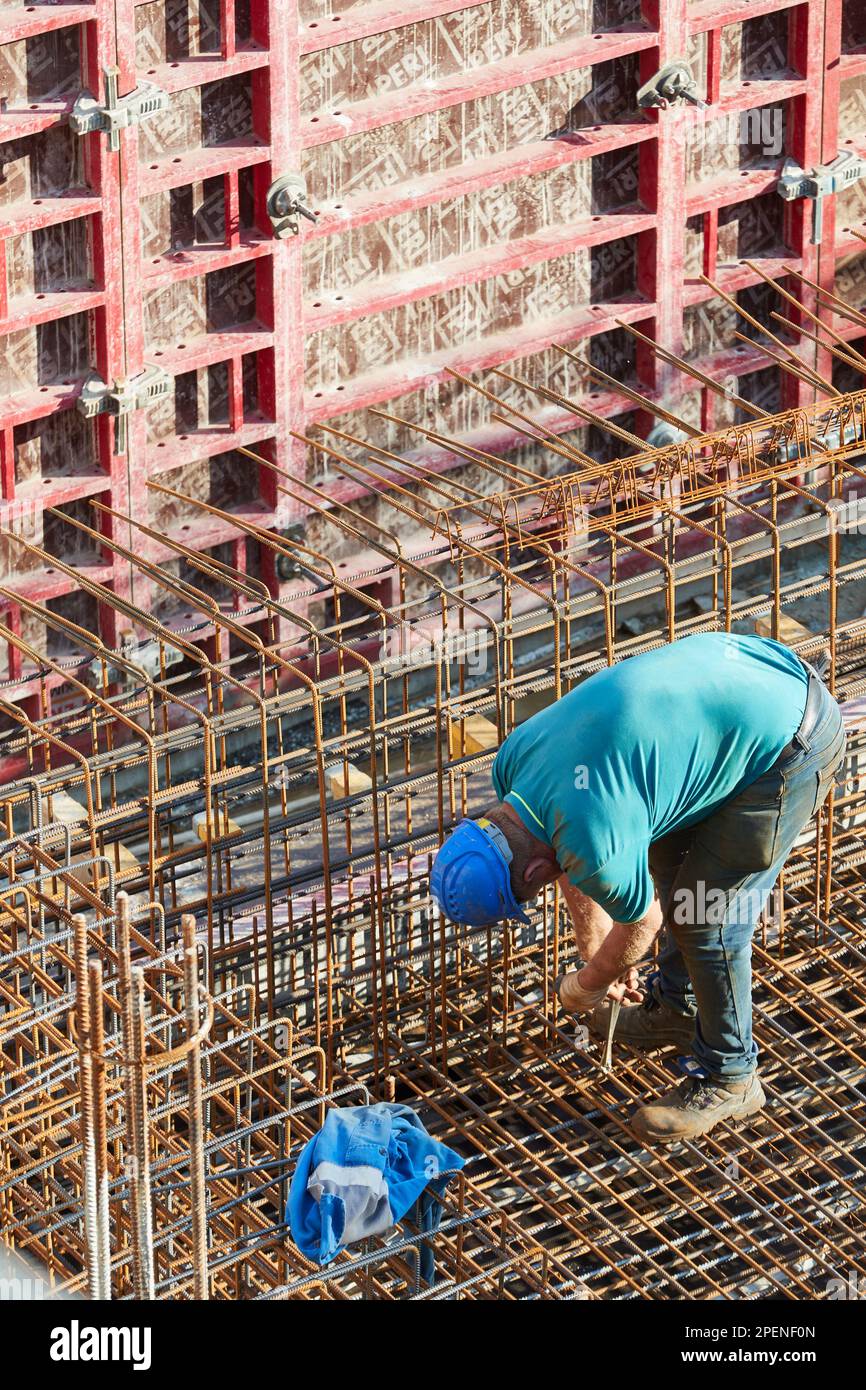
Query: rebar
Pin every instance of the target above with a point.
(215, 917)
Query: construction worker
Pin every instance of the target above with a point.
(664, 792)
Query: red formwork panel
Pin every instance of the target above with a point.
(467, 218)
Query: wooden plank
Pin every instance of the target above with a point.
(474, 734)
(790, 631)
(345, 779)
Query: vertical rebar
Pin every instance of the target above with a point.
(131, 986)
(88, 1107)
(140, 1156)
(97, 1035)
(201, 1282)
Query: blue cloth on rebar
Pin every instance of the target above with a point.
(368, 1166)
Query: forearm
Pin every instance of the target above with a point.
(623, 947)
(590, 922)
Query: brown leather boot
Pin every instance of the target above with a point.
(647, 1025)
(695, 1106)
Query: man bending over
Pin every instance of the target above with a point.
(664, 792)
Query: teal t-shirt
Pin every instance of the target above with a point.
(647, 747)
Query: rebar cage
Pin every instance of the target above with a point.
(216, 922)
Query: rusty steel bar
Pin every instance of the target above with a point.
(261, 772)
(198, 1191)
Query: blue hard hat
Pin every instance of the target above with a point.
(470, 880)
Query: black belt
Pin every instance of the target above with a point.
(816, 707)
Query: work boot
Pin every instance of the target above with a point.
(648, 1025)
(695, 1106)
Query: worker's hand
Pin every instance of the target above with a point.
(574, 998)
(626, 990)
(579, 997)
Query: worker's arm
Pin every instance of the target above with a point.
(592, 928)
(622, 948)
(590, 922)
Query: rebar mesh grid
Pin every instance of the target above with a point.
(216, 922)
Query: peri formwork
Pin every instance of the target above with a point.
(484, 184)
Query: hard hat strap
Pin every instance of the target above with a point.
(497, 836)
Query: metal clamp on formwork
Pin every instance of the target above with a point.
(291, 566)
(286, 202)
(845, 169)
(119, 112)
(673, 82)
(121, 399)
